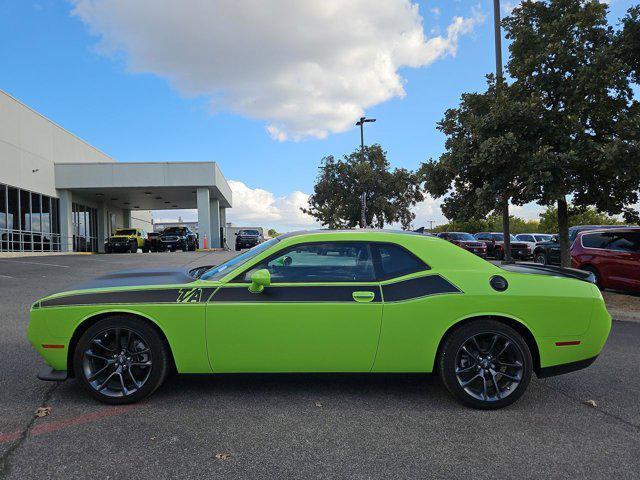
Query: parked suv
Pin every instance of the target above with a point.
(127, 240)
(248, 238)
(495, 246)
(174, 238)
(613, 255)
(466, 241)
(548, 253)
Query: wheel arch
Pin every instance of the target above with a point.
(95, 317)
(512, 322)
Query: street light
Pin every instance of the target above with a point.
(360, 123)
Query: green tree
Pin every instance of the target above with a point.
(390, 193)
(493, 223)
(577, 216)
(490, 143)
(566, 57)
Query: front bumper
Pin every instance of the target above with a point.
(117, 247)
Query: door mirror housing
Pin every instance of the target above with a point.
(554, 239)
(260, 279)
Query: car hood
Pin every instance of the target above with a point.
(121, 237)
(134, 278)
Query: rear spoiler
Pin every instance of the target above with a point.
(536, 268)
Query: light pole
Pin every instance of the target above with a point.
(505, 201)
(363, 198)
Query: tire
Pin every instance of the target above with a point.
(499, 254)
(237, 248)
(145, 336)
(541, 258)
(596, 273)
(456, 367)
(134, 247)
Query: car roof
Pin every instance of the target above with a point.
(619, 228)
(350, 231)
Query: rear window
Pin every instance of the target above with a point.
(595, 240)
(395, 261)
(249, 232)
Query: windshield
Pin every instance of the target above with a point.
(500, 237)
(217, 272)
(542, 238)
(462, 236)
(126, 231)
(249, 232)
(174, 230)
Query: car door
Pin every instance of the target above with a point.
(321, 313)
(622, 259)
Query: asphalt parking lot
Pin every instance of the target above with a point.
(302, 426)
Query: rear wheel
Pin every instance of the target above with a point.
(120, 360)
(485, 364)
(499, 254)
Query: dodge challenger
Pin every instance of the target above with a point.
(327, 301)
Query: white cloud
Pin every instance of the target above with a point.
(309, 68)
(255, 207)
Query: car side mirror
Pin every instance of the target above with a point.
(554, 239)
(260, 279)
(236, 234)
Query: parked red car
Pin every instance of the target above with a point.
(466, 241)
(613, 256)
(495, 246)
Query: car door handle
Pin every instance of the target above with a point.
(363, 297)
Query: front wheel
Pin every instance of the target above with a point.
(485, 364)
(540, 257)
(133, 248)
(596, 274)
(120, 360)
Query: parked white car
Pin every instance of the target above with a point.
(531, 239)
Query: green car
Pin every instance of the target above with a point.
(327, 301)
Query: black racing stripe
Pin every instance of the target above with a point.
(170, 295)
(418, 287)
(336, 293)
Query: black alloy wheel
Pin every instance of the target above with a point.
(120, 360)
(485, 364)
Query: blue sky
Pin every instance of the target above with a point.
(77, 70)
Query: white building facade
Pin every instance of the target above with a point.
(58, 193)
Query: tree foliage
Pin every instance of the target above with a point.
(577, 216)
(491, 139)
(390, 193)
(565, 55)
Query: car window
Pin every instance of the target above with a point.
(125, 231)
(319, 262)
(482, 236)
(542, 238)
(595, 240)
(249, 232)
(625, 242)
(394, 261)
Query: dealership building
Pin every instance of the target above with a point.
(58, 193)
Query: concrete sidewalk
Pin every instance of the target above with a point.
(623, 307)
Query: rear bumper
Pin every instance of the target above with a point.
(48, 374)
(565, 368)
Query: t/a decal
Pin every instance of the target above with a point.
(189, 295)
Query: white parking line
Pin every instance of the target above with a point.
(34, 263)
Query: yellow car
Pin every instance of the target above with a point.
(127, 240)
